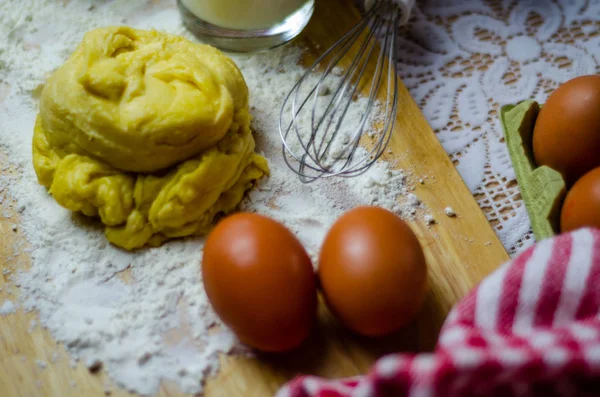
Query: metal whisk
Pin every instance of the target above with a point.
(325, 121)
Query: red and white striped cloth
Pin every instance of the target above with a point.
(531, 328)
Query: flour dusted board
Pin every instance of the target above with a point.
(460, 251)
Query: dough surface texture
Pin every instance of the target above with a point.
(147, 131)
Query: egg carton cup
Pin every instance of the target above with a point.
(543, 189)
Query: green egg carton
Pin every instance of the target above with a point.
(542, 188)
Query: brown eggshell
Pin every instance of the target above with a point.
(372, 271)
(582, 204)
(260, 281)
(566, 135)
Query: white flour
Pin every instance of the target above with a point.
(143, 316)
(8, 307)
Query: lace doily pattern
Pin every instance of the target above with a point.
(462, 61)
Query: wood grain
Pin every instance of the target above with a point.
(460, 251)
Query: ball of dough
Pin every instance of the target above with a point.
(141, 100)
(147, 131)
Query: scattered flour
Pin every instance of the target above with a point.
(449, 212)
(413, 199)
(32, 325)
(121, 311)
(338, 71)
(8, 307)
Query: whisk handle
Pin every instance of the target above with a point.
(404, 6)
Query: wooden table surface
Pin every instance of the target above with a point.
(460, 251)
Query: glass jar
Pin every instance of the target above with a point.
(246, 25)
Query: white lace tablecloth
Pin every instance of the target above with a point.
(463, 60)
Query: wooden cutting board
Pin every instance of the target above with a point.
(460, 251)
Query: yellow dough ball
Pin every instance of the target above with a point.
(147, 131)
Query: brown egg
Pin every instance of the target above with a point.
(260, 281)
(566, 135)
(582, 204)
(372, 271)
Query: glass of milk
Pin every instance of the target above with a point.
(246, 25)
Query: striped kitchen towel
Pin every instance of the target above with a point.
(531, 328)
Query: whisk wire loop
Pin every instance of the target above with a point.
(343, 100)
(322, 129)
